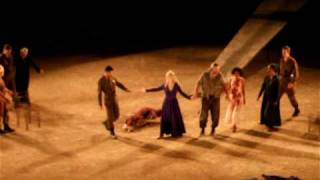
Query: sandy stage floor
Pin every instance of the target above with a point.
(73, 144)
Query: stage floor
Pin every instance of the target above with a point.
(73, 144)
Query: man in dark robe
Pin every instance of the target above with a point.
(270, 108)
(23, 74)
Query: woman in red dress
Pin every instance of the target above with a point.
(236, 89)
(5, 102)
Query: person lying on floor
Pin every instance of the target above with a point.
(138, 119)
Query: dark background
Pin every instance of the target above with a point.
(58, 28)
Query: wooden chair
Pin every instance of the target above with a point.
(23, 105)
(2, 105)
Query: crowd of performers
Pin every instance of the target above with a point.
(209, 88)
(15, 76)
(14, 82)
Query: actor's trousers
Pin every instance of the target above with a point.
(5, 118)
(211, 104)
(23, 96)
(112, 115)
(10, 83)
(291, 94)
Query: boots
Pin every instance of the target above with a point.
(160, 137)
(7, 128)
(296, 112)
(105, 124)
(202, 132)
(113, 135)
(2, 132)
(212, 131)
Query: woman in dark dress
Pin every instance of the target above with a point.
(270, 109)
(171, 118)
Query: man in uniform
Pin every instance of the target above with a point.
(212, 85)
(107, 86)
(289, 73)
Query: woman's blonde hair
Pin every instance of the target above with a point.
(171, 79)
(1, 71)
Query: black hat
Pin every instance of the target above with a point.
(108, 68)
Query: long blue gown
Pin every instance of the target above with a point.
(171, 117)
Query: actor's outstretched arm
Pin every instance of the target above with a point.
(296, 69)
(155, 89)
(100, 93)
(121, 86)
(196, 91)
(262, 89)
(34, 65)
(183, 93)
(198, 85)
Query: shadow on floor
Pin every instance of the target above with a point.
(57, 155)
(41, 146)
(275, 150)
(216, 146)
(274, 136)
(144, 147)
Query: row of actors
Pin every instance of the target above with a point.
(14, 81)
(210, 87)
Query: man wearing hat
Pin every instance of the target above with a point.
(107, 86)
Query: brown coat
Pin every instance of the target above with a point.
(107, 87)
(289, 70)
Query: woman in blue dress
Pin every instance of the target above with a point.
(171, 118)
